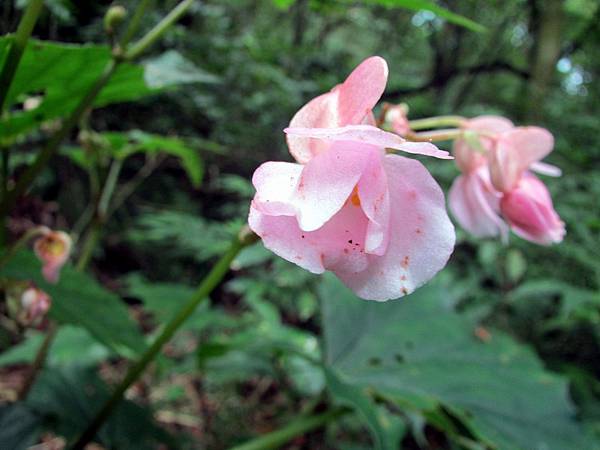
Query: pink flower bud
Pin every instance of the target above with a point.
(53, 249)
(529, 211)
(397, 116)
(35, 303)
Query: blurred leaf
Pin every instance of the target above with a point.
(516, 265)
(68, 398)
(419, 5)
(79, 300)
(171, 68)
(136, 141)
(19, 427)
(71, 344)
(386, 429)
(422, 355)
(58, 75)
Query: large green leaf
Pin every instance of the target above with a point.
(19, 427)
(60, 74)
(67, 398)
(79, 300)
(423, 355)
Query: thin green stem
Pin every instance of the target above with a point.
(109, 187)
(134, 23)
(53, 144)
(300, 426)
(159, 29)
(39, 361)
(28, 20)
(211, 280)
(434, 136)
(435, 122)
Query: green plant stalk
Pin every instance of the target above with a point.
(302, 425)
(212, 279)
(434, 136)
(436, 122)
(39, 361)
(53, 144)
(134, 23)
(26, 24)
(137, 48)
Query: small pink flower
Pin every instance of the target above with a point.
(53, 249)
(397, 116)
(35, 303)
(529, 211)
(514, 152)
(374, 219)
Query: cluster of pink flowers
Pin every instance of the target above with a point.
(497, 189)
(378, 220)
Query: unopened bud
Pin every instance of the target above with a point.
(113, 18)
(397, 117)
(53, 249)
(35, 303)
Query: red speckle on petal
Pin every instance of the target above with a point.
(346, 251)
(418, 231)
(405, 261)
(299, 257)
(412, 195)
(404, 290)
(403, 277)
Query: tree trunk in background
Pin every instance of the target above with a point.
(545, 54)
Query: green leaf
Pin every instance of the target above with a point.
(386, 429)
(136, 141)
(59, 75)
(68, 398)
(19, 427)
(171, 68)
(71, 344)
(426, 5)
(423, 355)
(79, 300)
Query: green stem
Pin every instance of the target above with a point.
(435, 122)
(28, 20)
(38, 363)
(159, 29)
(211, 280)
(302, 425)
(134, 23)
(435, 136)
(53, 144)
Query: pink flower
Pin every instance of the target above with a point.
(495, 186)
(53, 249)
(514, 152)
(476, 204)
(35, 303)
(397, 116)
(529, 211)
(374, 219)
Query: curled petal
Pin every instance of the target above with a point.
(374, 198)
(546, 169)
(476, 205)
(361, 91)
(348, 103)
(320, 112)
(421, 235)
(275, 184)
(488, 124)
(368, 134)
(328, 180)
(515, 151)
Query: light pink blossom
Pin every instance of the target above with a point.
(35, 303)
(376, 220)
(397, 116)
(529, 211)
(53, 249)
